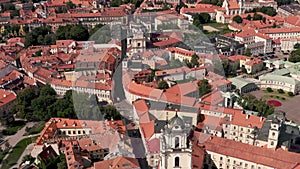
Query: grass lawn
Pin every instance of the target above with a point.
(276, 92)
(16, 152)
(35, 129)
(216, 25)
(2, 155)
(13, 128)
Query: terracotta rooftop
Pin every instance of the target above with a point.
(278, 158)
(118, 162)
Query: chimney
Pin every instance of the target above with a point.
(261, 118)
(4, 95)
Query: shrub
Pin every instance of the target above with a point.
(290, 94)
(269, 89)
(280, 91)
(283, 98)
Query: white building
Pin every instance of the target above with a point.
(275, 82)
(175, 149)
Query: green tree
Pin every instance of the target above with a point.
(202, 18)
(237, 19)
(295, 56)
(257, 17)
(79, 33)
(14, 13)
(264, 9)
(195, 61)
(248, 52)
(8, 6)
(280, 91)
(49, 39)
(249, 17)
(163, 85)
(230, 68)
(204, 87)
(264, 19)
(269, 89)
(28, 158)
(63, 163)
(35, 37)
(290, 94)
(297, 46)
(38, 53)
(70, 5)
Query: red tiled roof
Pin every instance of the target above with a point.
(225, 110)
(168, 42)
(142, 110)
(279, 158)
(237, 58)
(6, 97)
(247, 120)
(147, 129)
(280, 30)
(153, 145)
(118, 162)
(293, 20)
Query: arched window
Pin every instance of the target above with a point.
(176, 161)
(176, 142)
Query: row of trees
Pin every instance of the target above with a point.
(45, 36)
(265, 9)
(41, 104)
(250, 102)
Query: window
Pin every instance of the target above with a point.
(221, 158)
(69, 132)
(176, 161)
(176, 142)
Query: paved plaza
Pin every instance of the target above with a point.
(291, 105)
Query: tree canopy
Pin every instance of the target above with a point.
(264, 9)
(42, 104)
(163, 85)
(237, 19)
(250, 102)
(257, 17)
(213, 2)
(295, 56)
(248, 52)
(36, 37)
(75, 32)
(194, 61)
(204, 87)
(230, 68)
(297, 46)
(201, 18)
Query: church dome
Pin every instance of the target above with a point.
(176, 121)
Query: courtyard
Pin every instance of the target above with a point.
(290, 105)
